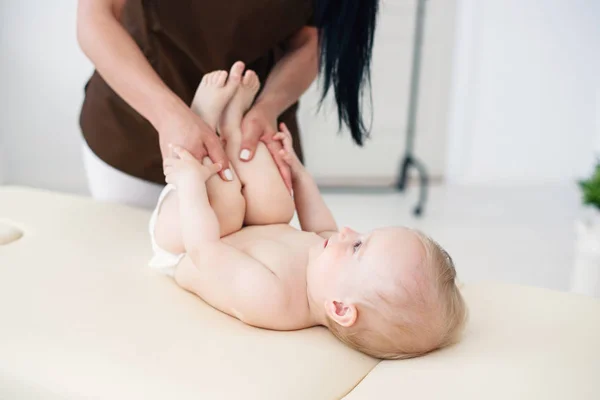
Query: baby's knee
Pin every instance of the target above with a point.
(229, 205)
(230, 214)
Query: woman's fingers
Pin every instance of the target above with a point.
(216, 153)
(252, 132)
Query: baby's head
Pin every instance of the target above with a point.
(390, 293)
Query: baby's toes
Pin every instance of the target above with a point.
(205, 80)
(220, 78)
(214, 76)
(235, 73)
(250, 79)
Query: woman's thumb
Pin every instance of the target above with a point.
(251, 134)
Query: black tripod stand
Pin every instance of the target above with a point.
(409, 160)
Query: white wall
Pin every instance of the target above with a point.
(597, 126)
(1, 164)
(3, 97)
(526, 87)
(2, 157)
(43, 73)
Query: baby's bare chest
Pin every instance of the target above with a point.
(282, 249)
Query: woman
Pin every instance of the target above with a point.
(151, 54)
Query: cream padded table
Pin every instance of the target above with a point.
(81, 316)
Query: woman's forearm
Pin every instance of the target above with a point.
(120, 61)
(293, 74)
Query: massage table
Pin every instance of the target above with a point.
(83, 317)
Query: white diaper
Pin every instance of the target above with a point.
(162, 260)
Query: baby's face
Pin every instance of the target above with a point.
(349, 262)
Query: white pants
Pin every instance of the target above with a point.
(107, 183)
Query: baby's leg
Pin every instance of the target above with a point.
(267, 199)
(226, 198)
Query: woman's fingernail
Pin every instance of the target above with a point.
(292, 192)
(228, 174)
(245, 154)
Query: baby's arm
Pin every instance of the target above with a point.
(198, 221)
(223, 276)
(313, 213)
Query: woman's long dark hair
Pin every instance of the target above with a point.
(346, 31)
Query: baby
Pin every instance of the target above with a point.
(389, 293)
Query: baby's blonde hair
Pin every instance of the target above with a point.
(394, 324)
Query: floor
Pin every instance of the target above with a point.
(523, 235)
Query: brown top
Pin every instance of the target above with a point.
(183, 40)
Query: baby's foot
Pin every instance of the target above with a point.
(215, 91)
(231, 119)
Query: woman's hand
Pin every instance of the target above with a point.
(184, 170)
(260, 125)
(290, 77)
(187, 130)
(122, 64)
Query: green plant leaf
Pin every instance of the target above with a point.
(590, 188)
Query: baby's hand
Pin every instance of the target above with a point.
(287, 153)
(185, 169)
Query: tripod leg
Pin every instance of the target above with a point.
(401, 184)
(424, 180)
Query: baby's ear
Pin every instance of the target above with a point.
(343, 314)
